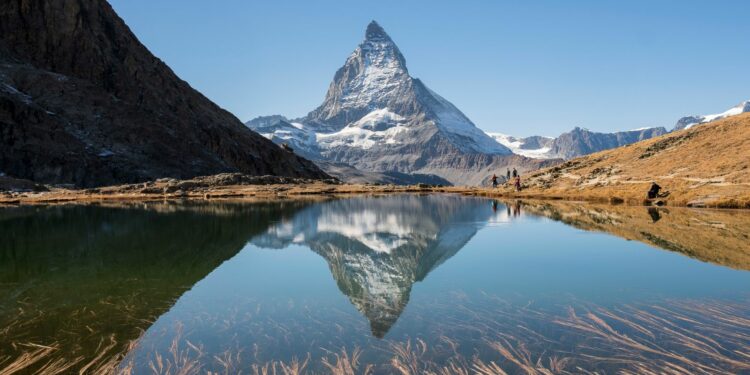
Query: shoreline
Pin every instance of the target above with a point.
(240, 187)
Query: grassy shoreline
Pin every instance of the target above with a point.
(176, 190)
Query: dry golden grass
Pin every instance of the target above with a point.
(706, 166)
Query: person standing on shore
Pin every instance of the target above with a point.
(494, 180)
(518, 183)
(515, 173)
(507, 175)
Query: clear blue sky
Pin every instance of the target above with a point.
(520, 67)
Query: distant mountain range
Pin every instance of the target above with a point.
(377, 118)
(83, 102)
(574, 143)
(579, 142)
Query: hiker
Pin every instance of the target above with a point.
(494, 180)
(653, 192)
(507, 175)
(518, 183)
(515, 173)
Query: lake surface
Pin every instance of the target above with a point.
(399, 284)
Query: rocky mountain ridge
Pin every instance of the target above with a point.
(688, 122)
(580, 142)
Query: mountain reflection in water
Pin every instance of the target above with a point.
(106, 288)
(378, 248)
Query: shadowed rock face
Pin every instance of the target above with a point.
(378, 248)
(83, 102)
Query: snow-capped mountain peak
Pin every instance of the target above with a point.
(375, 111)
(375, 78)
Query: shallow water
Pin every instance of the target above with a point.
(397, 284)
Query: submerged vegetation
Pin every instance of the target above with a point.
(486, 335)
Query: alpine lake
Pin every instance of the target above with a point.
(398, 284)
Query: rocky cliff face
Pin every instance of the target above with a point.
(377, 118)
(83, 102)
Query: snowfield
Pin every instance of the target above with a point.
(515, 144)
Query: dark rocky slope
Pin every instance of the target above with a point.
(83, 102)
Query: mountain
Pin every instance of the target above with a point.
(577, 142)
(690, 121)
(377, 118)
(700, 166)
(580, 141)
(83, 102)
(377, 250)
(533, 147)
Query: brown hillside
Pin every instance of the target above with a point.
(708, 165)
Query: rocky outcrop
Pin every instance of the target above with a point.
(83, 102)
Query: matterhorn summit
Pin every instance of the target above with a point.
(378, 118)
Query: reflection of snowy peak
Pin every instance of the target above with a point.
(378, 248)
(690, 121)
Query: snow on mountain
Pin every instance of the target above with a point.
(281, 131)
(452, 121)
(520, 145)
(378, 127)
(377, 118)
(577, 142)
(690, 121)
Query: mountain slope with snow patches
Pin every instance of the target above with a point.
(688, 122)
